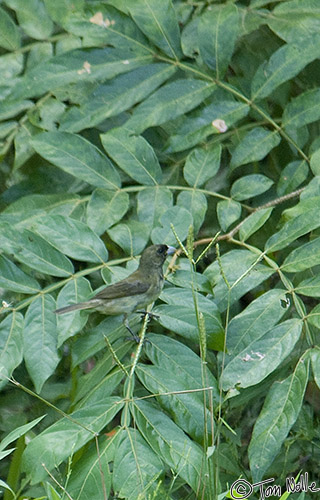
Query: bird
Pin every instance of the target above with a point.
(138, 290)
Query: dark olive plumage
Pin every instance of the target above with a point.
(134, 292)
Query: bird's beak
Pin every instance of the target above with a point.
(171, 250)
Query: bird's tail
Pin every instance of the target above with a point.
(74, 307)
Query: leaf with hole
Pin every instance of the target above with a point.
(262, 356)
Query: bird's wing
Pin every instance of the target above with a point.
(123, 288)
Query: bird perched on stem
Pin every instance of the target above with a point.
(136, 291)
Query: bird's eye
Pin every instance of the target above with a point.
(160, 250)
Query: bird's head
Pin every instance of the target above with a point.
(155, 255)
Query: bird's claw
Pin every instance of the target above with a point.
(134, 337)
(150, 315)
(137, 339)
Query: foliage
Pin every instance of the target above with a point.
(132, 122)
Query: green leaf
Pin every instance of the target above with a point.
(10, 109)
(315, 363)
(77, 65)
(262, 356)
(280, 411)
(90, 474)
(217, 34)
(228, 211)
(49, 114)
(132, 454)
(6, 486)
(303, 109)
(102, 25)
(284, 64)
(159, 23)
(235, 264)
(170, 443)
(303, 257)
(315, 162)
(11, 65)
(255, 320)
(7, 127)
(12, 278)
(39, 26)
(314, 317)
(254, 222)
(293, 20)
(116, 96)
(104, 388)
(180, 218)
(249, 186)
(86, 346)
(133, 154)
(183, 320)
(65, 437)
(171, 100)
(152, 203)
(187, 410)
(132, 237)
(309, 287)
(18, 432)
(202, 164)
(77, 156)
(309, 199)
(4, 454)
(77, 290)
(26, 209)
(39, 52)
(58, 9)
(196, 203)
(293, 229)
(29, 248)
(72, 237)
(197, 125)
(106, 208)
(11, 348)
(23, 148)
(98, 376)
(10, 37)
(40, 340)
(189, 38)
(255, 145)
(310, 194)
(292, 176)
(175, 296)
(185, 279)
(52, 493)
(176, 358)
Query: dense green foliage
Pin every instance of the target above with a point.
(131, 122)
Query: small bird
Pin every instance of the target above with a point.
(134, 292)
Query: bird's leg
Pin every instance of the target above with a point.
(126, 324)
(150, 315)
